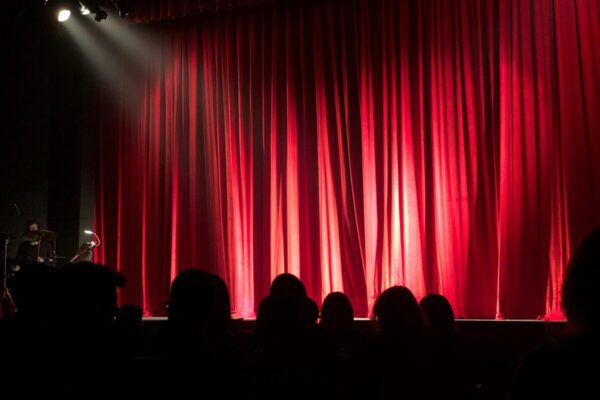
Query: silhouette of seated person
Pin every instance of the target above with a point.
(337, 318)
(89, 305)
(203, 359)
(569, 367)
(292, 356)
(401, 361)
(452, 367)
(30, 351)
(128, 330)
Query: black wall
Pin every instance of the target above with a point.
(47, 127)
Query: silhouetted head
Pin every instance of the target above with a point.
(287, 300)
(287, 287)
(337, 314)
(311, 312)
(580, 291)
(89, 293)
(397, 312)
(264, 315)
(440, 314)
(37, 293)
(199, 301)
(32, 225)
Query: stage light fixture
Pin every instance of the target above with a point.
(63, 15)
(94, 8)
(100, 15)
(96, 238)
(63, 9)
(60, 8)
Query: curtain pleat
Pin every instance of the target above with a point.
(449, 146)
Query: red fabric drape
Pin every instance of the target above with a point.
(449, 146)
(142, 11)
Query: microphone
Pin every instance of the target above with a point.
(17, 209)
(97, 243)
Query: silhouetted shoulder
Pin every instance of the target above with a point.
(568, 369)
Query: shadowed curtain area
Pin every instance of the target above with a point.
(449, 146)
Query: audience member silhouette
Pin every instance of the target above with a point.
(397, 313)
(453, 370)
(36, 295)
(199, 305)
(128, 331)
(440, 316)
(568, 368)
(203, 360)
(264, 321)
(30, 339)
(337, 315)
(337, 318)
(401, 360)
(287, 302)
(71, 340)
(292, 357)
(88, 295)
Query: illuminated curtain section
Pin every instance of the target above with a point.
(449, 146)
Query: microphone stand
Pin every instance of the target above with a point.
(6, 298)
(86, 249)
(5, 266)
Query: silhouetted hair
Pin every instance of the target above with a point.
(396, 311)
(264, 315)
(337, 314)
(439, 313)
(89, 293)
(287, 286)
(221, 305)
(200, 300)
(37, 291)
(311, 311)
(287, 301)
(580, 291)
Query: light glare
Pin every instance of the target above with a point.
(84, 10)
(63, 15)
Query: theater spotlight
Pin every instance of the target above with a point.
(93, 7)
(62, 9)
(63, 15)
(100, 15)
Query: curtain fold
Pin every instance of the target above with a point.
(449, 146)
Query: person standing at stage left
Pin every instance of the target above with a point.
(35, 248)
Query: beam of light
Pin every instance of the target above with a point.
(63, 15)
(84, 10)
(135, 43)
(113, 69)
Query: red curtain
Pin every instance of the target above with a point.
(449, 146)
(155, 10)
